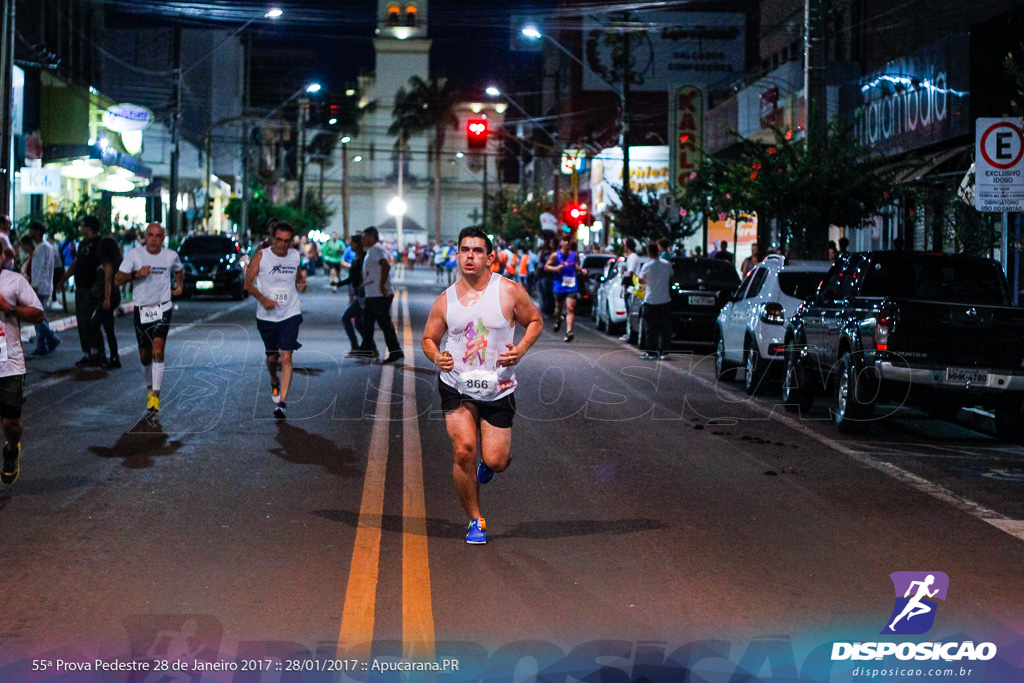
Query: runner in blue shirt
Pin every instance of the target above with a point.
(565, 265)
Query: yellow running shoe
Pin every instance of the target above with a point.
(11, 467)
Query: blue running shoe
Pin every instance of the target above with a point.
(476, 535)
(484, 473)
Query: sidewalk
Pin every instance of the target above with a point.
(64, 319)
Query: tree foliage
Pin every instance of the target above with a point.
(642, 217)
(806, 193)
(65, 219)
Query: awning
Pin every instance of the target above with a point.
(108, 156)
(931, 163)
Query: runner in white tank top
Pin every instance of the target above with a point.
(477, 317)
(274, 279)
(477, 334)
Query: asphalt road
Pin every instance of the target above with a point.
(648, 510)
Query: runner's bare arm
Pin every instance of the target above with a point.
(250, 282)
(300, 279)
(435, 330)
(524, 313)
(552, 263)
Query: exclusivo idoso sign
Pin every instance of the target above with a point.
(125, 117)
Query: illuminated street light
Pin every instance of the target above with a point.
(332, 122)
(313, 87)
(345, 140)
(531, 32)
(493, 92)
(273, 14)
(397, 206)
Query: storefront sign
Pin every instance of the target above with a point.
(40, 180)
(999, 165)
(673, 48)
(689, 133)
(918, 100)
(648, 172)
(124, 117)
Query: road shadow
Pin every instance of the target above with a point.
(138, 446)
(35, 487)
(308, 372)
(299, 447)
(76, 374)
(537, 530)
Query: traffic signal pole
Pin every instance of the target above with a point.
(7, 80)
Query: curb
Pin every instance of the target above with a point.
(28, 332)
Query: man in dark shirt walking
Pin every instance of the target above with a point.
(84, 268)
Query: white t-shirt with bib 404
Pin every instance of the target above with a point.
(18, 292)
(152, 294)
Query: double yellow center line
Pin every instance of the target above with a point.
(357, 620)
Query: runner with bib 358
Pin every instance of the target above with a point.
(477, 317)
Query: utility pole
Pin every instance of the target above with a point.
(172, 210)
(303, 113)
(483, 223)
(344, 189)
(7, 79)
(246, 132)
(815, 76)
(627, 71)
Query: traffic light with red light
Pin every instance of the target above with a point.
(574, 215)
(476, 133)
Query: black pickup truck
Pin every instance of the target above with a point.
(894, 327)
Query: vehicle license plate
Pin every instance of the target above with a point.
(702, 299)
(204, 284)
(966, 376)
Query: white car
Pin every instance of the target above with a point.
(751, 326)
(609, 311)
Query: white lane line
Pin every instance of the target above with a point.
(132, 347)
(775, 411)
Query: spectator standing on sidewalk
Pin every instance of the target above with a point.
(8, 251)
(83, 269)
(108, 299)
(379, 295)
(656, 277)
(42, 258)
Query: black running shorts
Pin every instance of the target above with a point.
(145, 334)
(497, 413)
(12, 396)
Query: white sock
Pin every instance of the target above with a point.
(158, 376)
(148, 369)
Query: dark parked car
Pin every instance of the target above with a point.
(892, 327)
(700, 287)
(214, 264)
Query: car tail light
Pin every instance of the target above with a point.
(885, 320)
(776, 349)
(773, 313)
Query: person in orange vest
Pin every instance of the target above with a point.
(524, 267)
(511, 260)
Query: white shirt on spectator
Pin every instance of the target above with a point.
(43, 259)
(657, 277)
(372, 272)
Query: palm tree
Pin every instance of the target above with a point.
(321, 152)
(426, 107)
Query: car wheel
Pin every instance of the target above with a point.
(722, 366)
(797, 386)
(1010, 421)
(853, 402)
(755, 371)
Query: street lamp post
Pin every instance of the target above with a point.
(344, 185)
(179, 76)
(622, 91)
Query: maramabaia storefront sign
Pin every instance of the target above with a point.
(914, 101)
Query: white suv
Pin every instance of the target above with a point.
(751, 326)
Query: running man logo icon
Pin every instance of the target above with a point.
(914, 612)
